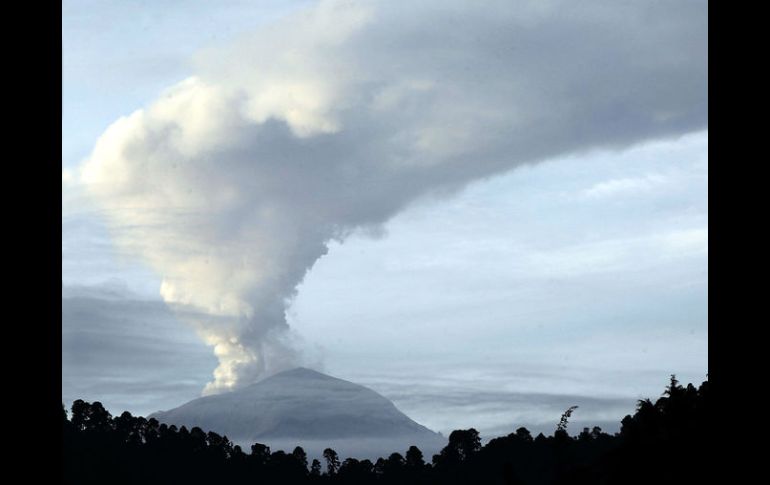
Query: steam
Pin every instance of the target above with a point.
(232, 182)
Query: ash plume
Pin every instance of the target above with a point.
(232, 183)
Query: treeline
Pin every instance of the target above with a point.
(665, 441)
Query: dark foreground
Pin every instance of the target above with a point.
(666, 441)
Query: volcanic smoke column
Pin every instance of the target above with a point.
(233, 181)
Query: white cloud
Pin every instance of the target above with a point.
(626, 186)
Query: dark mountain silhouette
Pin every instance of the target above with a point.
(305, 407)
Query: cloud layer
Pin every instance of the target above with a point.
(130, 353)
(233, 182)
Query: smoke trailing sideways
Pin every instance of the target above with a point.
(232, 182)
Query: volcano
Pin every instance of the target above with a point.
(303, 407)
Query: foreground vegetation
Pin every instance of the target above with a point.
(665, 441)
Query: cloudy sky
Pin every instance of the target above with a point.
(486, 214)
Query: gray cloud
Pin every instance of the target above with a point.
(127, 352)
(233, 182)
(497, 403)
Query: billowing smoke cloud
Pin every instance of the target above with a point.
(232, 182)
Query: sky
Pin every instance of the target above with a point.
(486, 215)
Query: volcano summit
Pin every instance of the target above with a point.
(310, 409)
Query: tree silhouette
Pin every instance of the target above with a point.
(564, 421)
(414, 457)
(332, 461)
(301, 457)
(462, 444)
(315, 468)
(524, 434)
(665, 440)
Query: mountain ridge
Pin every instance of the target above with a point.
(305, 407)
